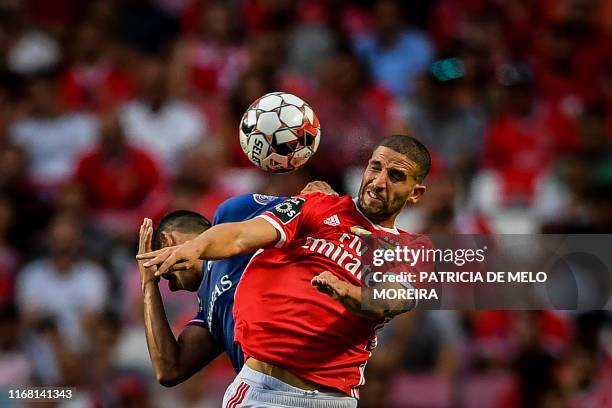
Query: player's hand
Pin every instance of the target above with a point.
(346, 293)
(318, 187)
(144, 246)
(331, 285)
(174, 258)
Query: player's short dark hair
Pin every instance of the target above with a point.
(184, 221)
(414, 150)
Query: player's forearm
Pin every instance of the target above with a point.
(226, 240)
(219, 242)
(352, 301)
(163, 347)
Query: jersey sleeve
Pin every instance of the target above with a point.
(290, 216)
(200, 318)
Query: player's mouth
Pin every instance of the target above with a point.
(373, 196)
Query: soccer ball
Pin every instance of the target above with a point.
(279, 132)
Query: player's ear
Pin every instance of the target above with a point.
(166, 239)
(416, 194)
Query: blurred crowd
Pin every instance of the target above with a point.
(115, 110)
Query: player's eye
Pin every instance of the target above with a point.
(397, 176)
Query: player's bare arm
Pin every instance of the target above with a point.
(173, 360)
(219, 242)
(350, 296)
(222, 241)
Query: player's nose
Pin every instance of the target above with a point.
(380, 181)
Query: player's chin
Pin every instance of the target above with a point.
(372, 206)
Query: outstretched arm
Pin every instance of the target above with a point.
(350, 296)
(173, 360)
(220, 242)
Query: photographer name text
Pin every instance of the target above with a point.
(412, 293)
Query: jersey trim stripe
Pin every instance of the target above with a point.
(276, 225)
(197, 322)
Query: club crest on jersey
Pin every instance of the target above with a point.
(360, 231)
(288, 209)
(263, 199)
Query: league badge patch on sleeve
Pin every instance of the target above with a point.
(288, 210)
(263, 199)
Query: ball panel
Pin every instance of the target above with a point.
(291, 116)
(309, 137)
(251, 117)
(315, 121)
(309, 114)
(270, 102)
(284, 136)
(244, 142)
(285, 149)
(300, 157)
(317, 140)
(268, 123)
(258, 148)
(292, 100)
(275, 162)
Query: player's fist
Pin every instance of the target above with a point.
(331, 285)
(318, 187)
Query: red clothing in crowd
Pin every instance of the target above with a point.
(207, 202)
(121, 183)
(9, 261)
(95, 88)
(521, 149)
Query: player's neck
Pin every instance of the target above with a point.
(388, 222)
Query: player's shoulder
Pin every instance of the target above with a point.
(322, 203)
(317, 202)
(231, 208)
(236, 201)
(239, 207)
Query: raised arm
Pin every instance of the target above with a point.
(220, 242)
(173, 360)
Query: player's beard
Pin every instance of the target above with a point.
(379, 209)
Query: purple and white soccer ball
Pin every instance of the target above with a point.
(279, 132)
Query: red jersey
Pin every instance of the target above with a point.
(282, 319)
